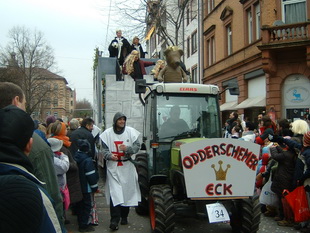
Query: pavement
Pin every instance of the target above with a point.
(141, 223)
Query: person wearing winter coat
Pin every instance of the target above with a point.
(89, 184)
(137, 46)
(58, 130)
(84, 132)
(268, 127)
(248, 134)
(41, 155)
(230, 123)
(283, 176)
(25, 205)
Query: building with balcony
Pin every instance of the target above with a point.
(263, 47)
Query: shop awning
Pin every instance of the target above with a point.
(229, 106)
(149, 34)
(259, 101)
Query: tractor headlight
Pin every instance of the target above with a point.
(160, 89)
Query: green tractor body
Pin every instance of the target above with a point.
(160, 162)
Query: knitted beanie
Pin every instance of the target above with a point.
(307, 139)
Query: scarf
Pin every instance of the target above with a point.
(62, 135)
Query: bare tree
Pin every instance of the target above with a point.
(83, 109)
(28, 54)
(167, 16)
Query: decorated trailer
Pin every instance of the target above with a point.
(185, 167)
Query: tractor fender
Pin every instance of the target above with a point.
(158, 179)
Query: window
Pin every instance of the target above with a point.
(250, 26)
(253, 22)
(210, 6)
(257, 21)
(193, 9)
(55, 102)
(71, 103)
(229, 39)
(56, 114)
(210, 51)
(187, 16)
(194, 42)
(188, 47)
(294, 11)
(55, 86)
(194, 75)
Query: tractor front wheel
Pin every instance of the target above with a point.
(161, 209)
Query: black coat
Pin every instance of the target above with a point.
(284, 173)
(142, 53)
(82, 133)
(125, 50)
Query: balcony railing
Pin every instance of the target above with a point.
(285, 33)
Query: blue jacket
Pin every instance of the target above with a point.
(88, 174)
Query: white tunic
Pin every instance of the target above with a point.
(122, 180)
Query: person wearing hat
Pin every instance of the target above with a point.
(61, 161)
(61, 164)
(24, 206)
(89, 184)
(120, 142)
(41, 155)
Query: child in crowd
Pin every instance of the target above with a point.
(61, 165)
(89, 183)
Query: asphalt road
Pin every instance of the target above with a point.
(141, 223)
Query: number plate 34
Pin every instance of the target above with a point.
(217, 213)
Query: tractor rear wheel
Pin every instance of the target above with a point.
(142, 170)
(161, 209)
(245, 215)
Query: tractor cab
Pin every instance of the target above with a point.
(176, 111)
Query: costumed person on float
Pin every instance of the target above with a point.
(134, 66)
(119, 48)
(120, 142)
(173, 72)
(137, 46)
(160, 64)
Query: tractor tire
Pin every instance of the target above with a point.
(142, 170)
(161, 209)
(245, 215)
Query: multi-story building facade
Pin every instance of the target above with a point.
(263, 47)
(59, 99)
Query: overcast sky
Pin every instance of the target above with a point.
(73, 28)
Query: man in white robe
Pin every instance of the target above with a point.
(120, 142)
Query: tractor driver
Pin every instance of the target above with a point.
(174, 125)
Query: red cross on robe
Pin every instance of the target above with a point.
(118, 152)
